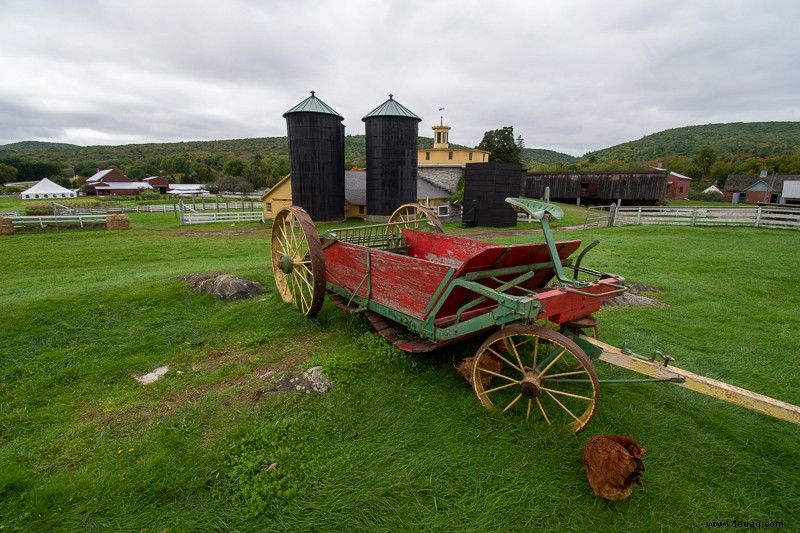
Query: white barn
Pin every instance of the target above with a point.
(47, 190)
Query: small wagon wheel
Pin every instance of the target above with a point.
(419, 217)
(536, 371)
(297, 260)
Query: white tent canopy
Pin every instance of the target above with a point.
(46, 189)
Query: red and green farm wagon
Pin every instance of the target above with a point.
(422, 289)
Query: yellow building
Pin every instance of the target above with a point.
(355, 195)
(277, 198)
(441, 155)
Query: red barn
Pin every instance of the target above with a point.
(158, 183)
(677, 186)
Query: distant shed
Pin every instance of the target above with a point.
(630, 187)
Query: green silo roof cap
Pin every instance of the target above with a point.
(391, 108)
(312, 104)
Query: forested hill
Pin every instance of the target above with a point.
(706, 153)
(546, 157)
(737, 140)
(355, 150)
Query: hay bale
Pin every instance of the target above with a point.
(118, 222)
(6, 226)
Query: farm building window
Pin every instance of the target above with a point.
(438, 137)
(361, 210)
(269, 207)
(450, 155)
(427, 156)
(442, 210)
(36, 196)
(470, 156)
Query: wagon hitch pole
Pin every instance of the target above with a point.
(709, 387)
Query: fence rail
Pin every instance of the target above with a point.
(199, 206)
(598, 216)
(57, 220)
(214, 216)
(760, 217)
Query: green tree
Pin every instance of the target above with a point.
(706, 157)
(7, 173)
(751, 165)
(234, 184)
(233, 167)
(501, 145)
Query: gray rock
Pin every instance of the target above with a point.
(312, 380)
(224, 286)
(633, 300)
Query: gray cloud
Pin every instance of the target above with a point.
(572, 76)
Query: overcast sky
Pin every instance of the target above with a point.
(568, 75)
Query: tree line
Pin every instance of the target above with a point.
(708, 154)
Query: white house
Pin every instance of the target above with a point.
(47, 190)
(713, 188)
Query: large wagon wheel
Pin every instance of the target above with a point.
(297, 260)
(534, 370)
(418, 217)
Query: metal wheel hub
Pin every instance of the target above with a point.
(286, 265)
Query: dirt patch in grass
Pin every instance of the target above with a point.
(262, 372)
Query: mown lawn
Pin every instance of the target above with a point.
(400, 444)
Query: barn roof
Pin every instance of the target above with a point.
(98, 175)
(124, 185)
(741, 182)
(355, 188)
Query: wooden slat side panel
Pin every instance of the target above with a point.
(444, 249)
(403, 283)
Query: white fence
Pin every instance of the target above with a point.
(58, 220)
(760, 217)
(111, 210)
(214, 216)
(227, 212)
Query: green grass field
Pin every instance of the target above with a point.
(401, 443)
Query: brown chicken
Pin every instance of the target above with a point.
(613, 465)
(489, 362)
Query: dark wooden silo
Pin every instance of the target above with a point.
(391, 144)
(316, 158)
(486, 187)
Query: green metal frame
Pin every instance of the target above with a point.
(510, 308)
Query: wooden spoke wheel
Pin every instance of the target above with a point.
(418, 217)
(535, 371)
(297, 260)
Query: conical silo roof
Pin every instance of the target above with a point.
(391, 108)
(312, 104)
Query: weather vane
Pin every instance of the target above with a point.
(441, 117)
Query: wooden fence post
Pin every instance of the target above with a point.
(758, 215)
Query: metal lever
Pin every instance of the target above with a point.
(667, 358)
